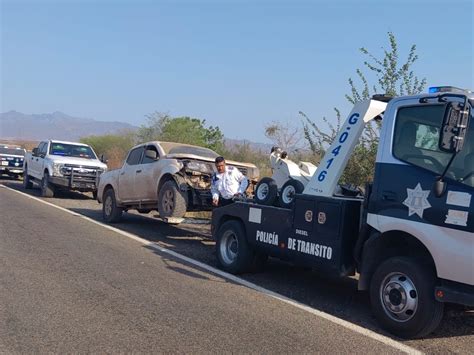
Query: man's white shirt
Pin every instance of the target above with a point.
(228, 183)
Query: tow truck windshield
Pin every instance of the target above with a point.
(72, 150)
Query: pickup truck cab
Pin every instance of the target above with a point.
(63, 165)
(172, 178)
(11, 160)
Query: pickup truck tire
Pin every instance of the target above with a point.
(171, 201)
(266, 192)
(402, 297)
(47, 190)
(111, 213)
(233, 252)
(27, 184)
(288, 191)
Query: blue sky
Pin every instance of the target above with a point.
(237, 64)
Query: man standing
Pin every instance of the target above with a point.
(226, 183)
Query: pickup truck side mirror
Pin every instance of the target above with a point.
(35, 152)
(103, 159)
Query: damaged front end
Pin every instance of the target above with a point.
(197, 175)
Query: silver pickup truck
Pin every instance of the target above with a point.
(63, 165)
(172, 178)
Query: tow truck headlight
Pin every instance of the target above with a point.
(57, 169)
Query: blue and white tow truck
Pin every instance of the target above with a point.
(410, 237)
(11, 160)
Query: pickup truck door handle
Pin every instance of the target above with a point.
(138, 171)
(122, 173)
(389, 196)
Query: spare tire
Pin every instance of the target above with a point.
(288, 192)
(266, 192)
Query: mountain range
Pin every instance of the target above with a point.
(56, 125)
(17, 126)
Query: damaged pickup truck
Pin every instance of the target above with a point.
(172, 178)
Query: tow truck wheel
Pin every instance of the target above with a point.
(47, 190)
(233, 252)
(110, 212)
(266, 192)
(402, 298)
(27, 184)
(288, 192)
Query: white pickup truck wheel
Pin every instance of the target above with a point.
(111, 213)
(27, 184)
(171, 201)
(47, 190)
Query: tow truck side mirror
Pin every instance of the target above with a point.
(454, 128)
(35, 152)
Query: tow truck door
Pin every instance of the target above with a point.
(403, 197)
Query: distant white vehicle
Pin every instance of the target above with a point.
(11, 160)
(62, 165)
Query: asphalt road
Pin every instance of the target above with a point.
(91, 309)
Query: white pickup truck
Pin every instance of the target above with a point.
(59, 165)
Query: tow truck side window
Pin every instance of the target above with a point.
(416, 141)
(134, 156)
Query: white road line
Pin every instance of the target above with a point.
(348, 325)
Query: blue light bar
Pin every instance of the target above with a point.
(435, 89)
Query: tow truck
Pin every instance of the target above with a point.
(410, 237)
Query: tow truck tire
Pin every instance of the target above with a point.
(266, 192)
(288, 191)
(171, 201)
(111, 213)
(47, 190)
(402, 297)
(233, 252)
(27, 184)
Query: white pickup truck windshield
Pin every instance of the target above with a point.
(72, 150)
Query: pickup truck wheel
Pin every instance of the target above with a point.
(266, 192)
(110, 212)
(288, 192)
(402, 298)
(171, 201)
(47, 190)
(233, 252)
(27, 184)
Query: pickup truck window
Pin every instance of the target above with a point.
(72, 150)
(134, 156)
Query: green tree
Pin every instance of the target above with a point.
(185, 130)
(389, 76)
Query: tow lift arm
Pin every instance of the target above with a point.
(324, 181)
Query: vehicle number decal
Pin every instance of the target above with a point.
(335, 152)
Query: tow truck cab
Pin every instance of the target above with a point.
(411, 237)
